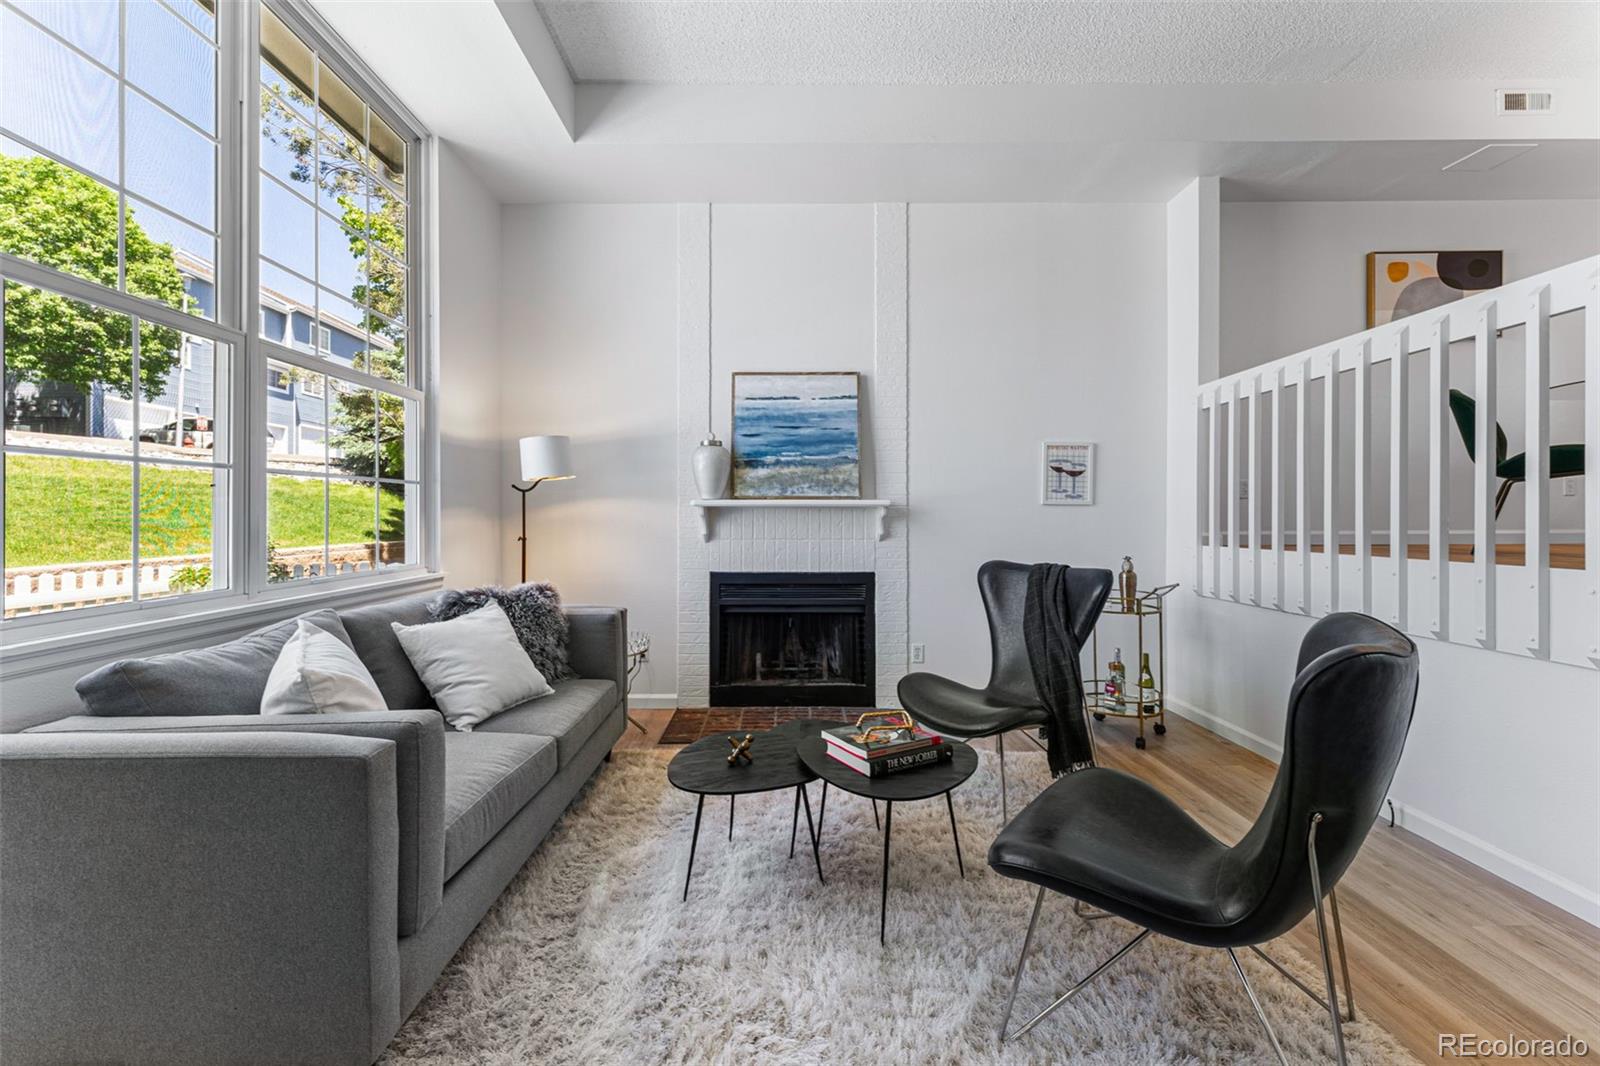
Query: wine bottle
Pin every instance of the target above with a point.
(1147, 680)
(1117, 686)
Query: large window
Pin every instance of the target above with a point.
(149, 289)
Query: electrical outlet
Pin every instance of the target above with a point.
(1569, 486)
(919, 653)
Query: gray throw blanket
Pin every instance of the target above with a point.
(1053, 656)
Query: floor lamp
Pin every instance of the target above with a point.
(543, 459)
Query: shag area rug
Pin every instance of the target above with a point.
(591, 956)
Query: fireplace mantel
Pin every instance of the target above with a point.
(706, 507)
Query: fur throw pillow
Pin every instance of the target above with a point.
(536, 616)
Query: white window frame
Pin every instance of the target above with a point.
(49, 640)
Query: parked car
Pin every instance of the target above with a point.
(197, 433)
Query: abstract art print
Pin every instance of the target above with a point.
(796, 435)
(1400, 284)
(1068, 473)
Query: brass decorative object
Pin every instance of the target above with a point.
(889, 723)
(741, 749)
(1128, 582)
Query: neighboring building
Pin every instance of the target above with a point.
(296, 406)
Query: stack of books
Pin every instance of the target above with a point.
(884, 751)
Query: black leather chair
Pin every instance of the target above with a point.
(1010, 700)
(1108, 839)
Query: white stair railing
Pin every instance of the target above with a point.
(1528, 608)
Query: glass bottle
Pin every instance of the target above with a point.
(1117, 686)
(1147, 680)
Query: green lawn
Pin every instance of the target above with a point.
(80, 510)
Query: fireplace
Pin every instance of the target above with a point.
(792, 640)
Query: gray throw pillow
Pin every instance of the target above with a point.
(222, 679)
(536, 617)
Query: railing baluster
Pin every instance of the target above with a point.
(1276, 378)
(1253, 493)
(1201, 415)
(1536, 534)
(1362, 458)
(1483, 474)
(1235, 405)
(1439, 476)
(1400, 475)
(1216, 458)
(1302, 476)
(1591, 452)
(1330, 480)
(1286, 527)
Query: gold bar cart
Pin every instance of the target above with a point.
(1138, 703)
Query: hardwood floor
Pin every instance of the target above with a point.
(1564, 555)
(1436, 944)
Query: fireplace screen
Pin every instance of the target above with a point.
(792, 639)
(792, 649)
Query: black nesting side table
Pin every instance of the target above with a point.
(703, 769)
(925, 782)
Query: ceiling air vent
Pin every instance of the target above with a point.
(1523, 102)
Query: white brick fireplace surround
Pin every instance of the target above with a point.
(809, 539)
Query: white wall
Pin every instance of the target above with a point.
(1500, 763)
(1029, 322)
(1294, 274)
(468, 392)
(588, 320)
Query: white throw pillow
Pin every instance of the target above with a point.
(472, 665)
(317, 673)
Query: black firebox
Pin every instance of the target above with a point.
(792, 640)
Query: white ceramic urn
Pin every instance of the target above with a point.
(712, 463)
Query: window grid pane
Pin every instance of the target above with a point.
(79, 80)
(321, 138)
(113, 108)
(117, 453)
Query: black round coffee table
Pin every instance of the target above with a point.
(703, 769)
(925, 782)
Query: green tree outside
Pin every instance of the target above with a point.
(53, 215)
(368, 430)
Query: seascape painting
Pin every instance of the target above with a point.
(796, 435)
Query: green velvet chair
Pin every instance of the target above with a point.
(1566, 460)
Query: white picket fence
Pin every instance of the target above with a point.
(30, 590)
(1525, 609)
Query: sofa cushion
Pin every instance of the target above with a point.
(571, 714)
(487, 780)
(317, 673)
(380, 649)
(472, 665)
(222, 679)
(534, 609)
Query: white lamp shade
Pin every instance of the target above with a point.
(546, 457)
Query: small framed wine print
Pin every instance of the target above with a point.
(1067, 473)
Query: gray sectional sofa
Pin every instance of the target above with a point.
(192, 882)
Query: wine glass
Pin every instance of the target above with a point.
(1075, 470)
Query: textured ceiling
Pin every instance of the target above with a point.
(992, 42)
